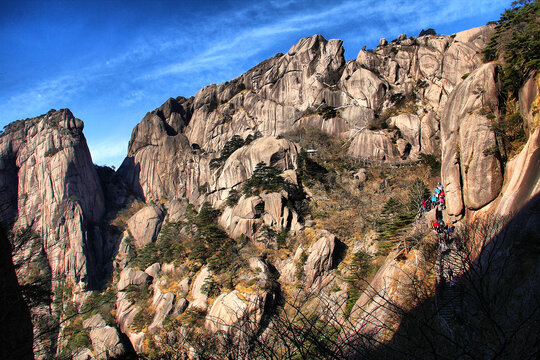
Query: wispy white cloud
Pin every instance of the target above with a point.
(179, 55)
(39, 96)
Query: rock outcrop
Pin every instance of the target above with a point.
(309, 86)
(59, 194)
(130, 276)
(105, 339)
(471, 174)
(145, 225)
(321, 258)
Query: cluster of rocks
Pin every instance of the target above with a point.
(430, 95)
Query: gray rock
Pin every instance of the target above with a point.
(360, 177)
(153, 270)
(48, 182)
(477, 91)
(105, 339)
(373, 145)
(163, 308)
(145, 225)
(321, 257)
(130, 276)
(200, 299)
(480, 169)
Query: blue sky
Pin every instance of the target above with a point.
(110, 62)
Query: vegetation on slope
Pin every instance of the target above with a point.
(516, 45)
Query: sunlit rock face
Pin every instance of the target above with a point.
(472, 176)
(310, 86)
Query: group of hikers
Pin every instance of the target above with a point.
(436, 200)
(445, 231)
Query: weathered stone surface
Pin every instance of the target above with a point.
(180, 305)
(364, 86)
(83, 354)
(240, 165)
(480, 169)
(145, 225)
(48, 182)
(373, 145)
(321, 257)
(226, 310)
(163, 305)
(243, 218)
(287, 268)
(153, 270)
(409, 128)
(529, 102)
(429, 134)
(130, 276)
(522, 181)
(124, 246)
(176, 209)
(477, 91)
(360, 177)
(199, 299)
(125, 312)
(105, 339)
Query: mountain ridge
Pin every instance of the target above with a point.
(389, 108)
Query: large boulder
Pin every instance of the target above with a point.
(240, 165)
(226, 310)
(373, 145)
(130, 276)
(321, 257)
(145, 225)
(105, 339)
(481, 170)
(476, 93)
(199, 299)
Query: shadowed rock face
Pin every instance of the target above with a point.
(56, 186)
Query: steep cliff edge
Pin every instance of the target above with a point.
(235, 219)
(49, 184)
(388, 102)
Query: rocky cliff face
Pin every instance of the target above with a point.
(310, 86)
(49, 184)
(412, 96)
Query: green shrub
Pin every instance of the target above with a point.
(203, 189)
(143, 318)
(264, 178)
(492, 150)
(431, 161)
(233, 198)
(235, 143)
(251, 137)
(102, 303)
(357, 280)
(516, 41)
(210, 288)
(281, 239)
(300, 266)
